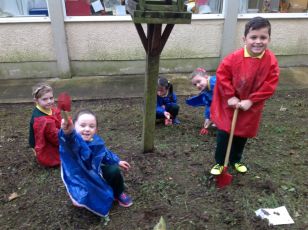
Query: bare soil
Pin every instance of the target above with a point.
(173, 181)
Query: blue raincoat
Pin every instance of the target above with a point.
(204, 98)
(81, 171)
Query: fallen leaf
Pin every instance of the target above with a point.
(13, 196)
(161, 225)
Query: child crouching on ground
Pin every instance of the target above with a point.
(44, 126)
(166, 107)
(89, 170)
(205, 84)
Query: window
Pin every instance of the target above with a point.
(273, 6)
(204, 6)
(95, 7)
(117, 7)
(23, 8)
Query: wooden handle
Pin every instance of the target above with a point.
(234, 119)
(65, 115)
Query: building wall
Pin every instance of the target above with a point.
(112, 48)
(115, 47)
(289, 40)
(26, 50)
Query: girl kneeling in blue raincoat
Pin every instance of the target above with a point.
(89, 170)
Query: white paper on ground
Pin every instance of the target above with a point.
(275, 216)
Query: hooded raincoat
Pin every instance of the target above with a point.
(81, 171)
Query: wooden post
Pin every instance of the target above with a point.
(154, 14)
(151, 77)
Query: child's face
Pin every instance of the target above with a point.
(85, 125)
(161, 91)
(256, 41)
(46, 101)
(200, 82)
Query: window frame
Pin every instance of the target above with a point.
(39, 19)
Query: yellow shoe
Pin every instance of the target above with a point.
(217, 169)
(240, 167)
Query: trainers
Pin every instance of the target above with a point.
(240, 167)
(176, 121)
(217, 169)
(124, 200)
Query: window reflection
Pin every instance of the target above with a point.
(273, 6)
(95, 7)
(22, 8)
(204, 6)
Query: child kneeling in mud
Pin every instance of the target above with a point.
(89, 170)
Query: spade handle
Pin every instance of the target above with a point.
(234, 119)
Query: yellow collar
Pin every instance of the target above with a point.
(48, 112)
(246, 54)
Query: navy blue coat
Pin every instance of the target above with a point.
(167, 101)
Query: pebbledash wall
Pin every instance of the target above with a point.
(30, 48)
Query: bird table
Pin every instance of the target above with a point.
(154, 14)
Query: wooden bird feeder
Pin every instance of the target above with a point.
(158, 12)
(154, 13)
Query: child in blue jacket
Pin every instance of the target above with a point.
(205, 84)
(166, 107)
(89, 170)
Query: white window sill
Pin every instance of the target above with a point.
(31, 19)
(273, 15)
(24, 19)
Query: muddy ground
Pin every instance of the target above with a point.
(173, 181)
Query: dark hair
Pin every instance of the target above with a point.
(163, 82)
(83, 111)
(257, 23)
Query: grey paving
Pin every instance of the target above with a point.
(104, 87)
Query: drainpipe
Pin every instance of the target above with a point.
(230, 12)
(55, 9)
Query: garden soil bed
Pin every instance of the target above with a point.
(173, 181)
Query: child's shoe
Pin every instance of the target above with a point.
(176, 121)
(217, 169)
(124, 200)
(240, 167)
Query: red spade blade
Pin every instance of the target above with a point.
(224, 179)
(204, 131)
(64, 102)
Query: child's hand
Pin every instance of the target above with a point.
(207, 123)
(124, 165)
(68, 126)
(167, 115)
(245, 104)
(233, 102)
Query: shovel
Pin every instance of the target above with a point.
(64, 104)
(225, 178)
